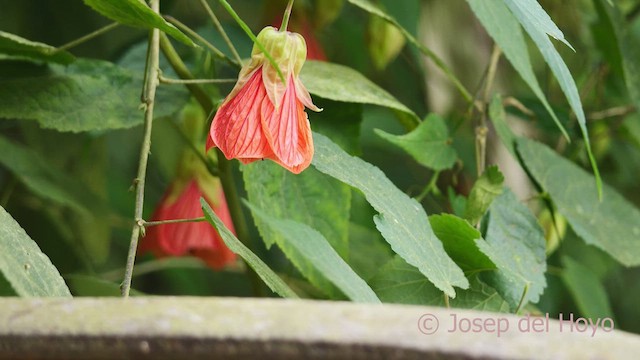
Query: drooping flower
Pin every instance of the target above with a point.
(263, 117)
(182, 201)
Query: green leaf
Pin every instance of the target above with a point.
(15, 47)
(499, 119)
(340, 83)
(515, 243)
(537, 24)
(368, 251)
(27, 269)
(266, 274)
(487, 187)
(90, 95)
(460, 241)
(587, 291)
(612, 224)
(399, 282)
(318, 253)
(624, 44)
(402, 221)
(429, 143)
(503, 27)
(137, 13)
(85, 285)
(299, 197)
(44, 180)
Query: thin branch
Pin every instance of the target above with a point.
(286, 16)
(223, 33)
(482, 130)
(149, 93)
(219, 54)
(174, 221)
(613, 112)
(86, 38)
(431, 187)
(165, 80)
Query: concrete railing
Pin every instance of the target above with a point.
(235, 328)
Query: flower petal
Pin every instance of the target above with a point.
(287, 131)
(236, 127)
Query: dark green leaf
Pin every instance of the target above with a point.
(612, 224)
(460, 241)
(507, 33)
(515, 243)
(44, 180)
(28, 270)
(266, 274)
(86, 95)
(301, 198)
(15, 47)
(317, 252)
(367, 250)
(538, 25)
(85, 285)
(429, 143)
(587, 291)
(340, 83)
(399, 282)
(136, 13)
(402, 221)
(486, 188)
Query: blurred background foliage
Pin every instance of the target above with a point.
(89, 248)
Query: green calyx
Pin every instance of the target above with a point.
(288, 49)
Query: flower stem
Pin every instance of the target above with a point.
(253, 38)
(86, 38)
(481, 129)
(286, 16)
(148, 96)
(224, 165)
(223, 33)
(165, 80)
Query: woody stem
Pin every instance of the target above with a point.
(286, 16)
(148, 98)
(224, 165)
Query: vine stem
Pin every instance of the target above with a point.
(286, 16)
(86, 38)
(148, 97)
(174, 221)
(223, 33)
(224, 165)
(482, 130)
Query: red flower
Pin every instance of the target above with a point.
(262, 117)
(182, 201)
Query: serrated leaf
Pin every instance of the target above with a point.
(401, 220)
(44, 180)
(89, 95)
(587, 290)
(340, 83)
(499, 120)
(315, 249)
(429, 143)
(299, 197)
(487, 187)
(503, 27)
(271, 279)
(537, 24)
(460, 241)
(399, 282)
(137, 13)
(27, 269)
(612, 224)
(515, 243)
(15, 47)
